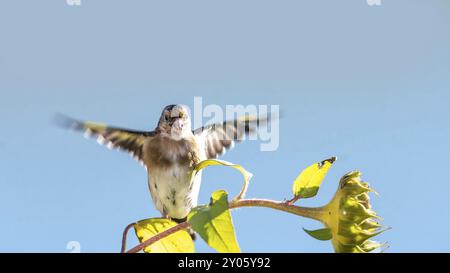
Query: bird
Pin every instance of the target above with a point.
(170, 152)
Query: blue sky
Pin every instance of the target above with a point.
(369, 85)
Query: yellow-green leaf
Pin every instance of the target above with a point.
(178, 242)
(307, 184)
(323, 234)
(214, 225)
(214, 162)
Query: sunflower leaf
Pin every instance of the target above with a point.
(307, 184)
(178, 242)
(323, 234)
(214, 225)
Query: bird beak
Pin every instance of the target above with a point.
(178, 124)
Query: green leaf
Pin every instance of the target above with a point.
(307, 184)
(215, 162)
(323, 234)
(178, 242)
(213, 223)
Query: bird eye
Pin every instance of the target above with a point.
(166, 117)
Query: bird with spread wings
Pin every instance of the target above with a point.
(170, 152)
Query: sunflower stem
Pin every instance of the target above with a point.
(124, 237)
(313, 213)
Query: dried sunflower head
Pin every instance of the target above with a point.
(350, 218)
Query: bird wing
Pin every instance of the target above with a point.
(219, 137)
(127, 140)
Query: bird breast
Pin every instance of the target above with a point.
(164, 152)
(169, 164)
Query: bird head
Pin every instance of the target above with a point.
(175, 121)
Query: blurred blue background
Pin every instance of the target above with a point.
(368, 84)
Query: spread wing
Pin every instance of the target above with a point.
(219, 137)
(127, 140)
